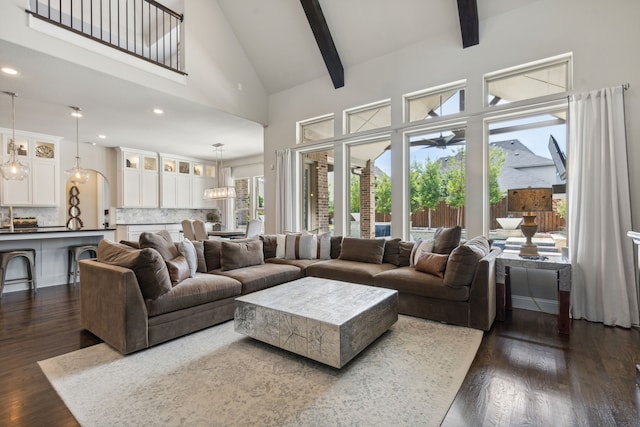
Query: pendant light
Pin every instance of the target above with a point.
(221, 192)
(77, 175)
(13, 170)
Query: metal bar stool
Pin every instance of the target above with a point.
(30, 256)
(75, 252)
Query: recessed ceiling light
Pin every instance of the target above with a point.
(102, 136)
(158, 111)
(8, 70)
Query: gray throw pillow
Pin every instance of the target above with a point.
(392, 251)
(188, 251)
(161, 242)
(446, 239)
(212, 253)
(178, 269)
(241, 254)
(202, 263)
(463, 260)
(364, 250)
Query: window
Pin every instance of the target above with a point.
(370, 189)
(259, 197)
(315, 129)
(434, 103)
(436, 180)
(317, 191)
(242, 202)
(529, 81)
(528, 151)
(368, 117)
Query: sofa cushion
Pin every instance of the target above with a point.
(178, 269)
(347, 271)
(301, 246)
(432, 263)
(446, 239)
(409, 281)
(463, 261)
(241, 254)
(258, 277)
(420, 247)
(202, 263)
(161, 242)
(212, 253)
(188, 251)
(404, 257)
(392, 251)
(364, 250)
(147, 264)
(300, 263)
(201, 289)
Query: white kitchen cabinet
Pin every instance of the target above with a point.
(138, 178)
(40, 153)
(204, 176)
(175, 182)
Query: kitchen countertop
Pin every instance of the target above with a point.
(58, 229)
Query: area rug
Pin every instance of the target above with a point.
(216, 377)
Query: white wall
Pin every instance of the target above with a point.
(215, 60)
(602, 36)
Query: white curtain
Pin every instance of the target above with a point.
(227, 206)
(284, 191)
(603, 278)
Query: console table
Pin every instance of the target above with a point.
(556, 263)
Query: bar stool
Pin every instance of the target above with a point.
(30, 256)
(75, 252)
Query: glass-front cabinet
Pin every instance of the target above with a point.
(138, 184)
(39, 152)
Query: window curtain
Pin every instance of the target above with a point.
(228, 205)
(284, 191)
(603, 277)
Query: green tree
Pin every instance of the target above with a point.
(496, 161)
(430, 184)
(415, 202)
(454, 182)
(354, 195)
(383, 193)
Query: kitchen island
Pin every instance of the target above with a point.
(51, 245)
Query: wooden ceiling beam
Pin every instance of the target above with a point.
(325, 41)
(469, 25)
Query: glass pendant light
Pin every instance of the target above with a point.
(77, 175)
(13, 170)
(221, 192)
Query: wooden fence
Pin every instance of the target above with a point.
(444, 216)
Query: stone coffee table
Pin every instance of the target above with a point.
(325, 320)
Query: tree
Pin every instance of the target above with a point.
(430, 185)
(383, 193)
(354, 193)
(496, 161)
(415, 201)
(455, 186)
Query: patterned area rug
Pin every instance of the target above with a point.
(216, 377)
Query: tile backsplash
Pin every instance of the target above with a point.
(158, 216)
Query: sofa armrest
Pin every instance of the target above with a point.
(112, 306)
(482, 294)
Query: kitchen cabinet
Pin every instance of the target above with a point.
(138, 179)
(175, 182)
(41, 187)
(132, 232)
(204, 176)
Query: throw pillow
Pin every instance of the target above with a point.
(336, 246)
(269, 245)
(324, 246)
(188, 251)
(281, 240)
(202, 263)
(161, 242)
(420, 247)
(404, 258)
(463, 261)
(241, 254)
(179, 269)
(212, 253)
(301, 246)
(134, 244)
(432, 263)
(392, 251)
(446, 239)
(147, 264)
(364, 250)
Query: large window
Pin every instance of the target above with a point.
(528, 151)
(317, 191)
(436, 180)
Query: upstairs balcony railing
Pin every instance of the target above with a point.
(143, 28)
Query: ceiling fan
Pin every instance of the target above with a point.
(457, 136)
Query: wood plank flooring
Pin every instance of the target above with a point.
(524, 373)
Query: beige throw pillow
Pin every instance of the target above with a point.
(432, 263)
(241, 254)
(364, 250)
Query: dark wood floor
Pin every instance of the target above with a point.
(523, 374)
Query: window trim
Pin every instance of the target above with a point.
(408, 97)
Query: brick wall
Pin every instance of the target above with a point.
(367, 202)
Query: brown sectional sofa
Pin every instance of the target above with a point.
(143, 293)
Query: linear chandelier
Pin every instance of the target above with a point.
(221, 192)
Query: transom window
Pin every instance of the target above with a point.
(372, 116)
(528, 81)
(434, 103)
(315, 129)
